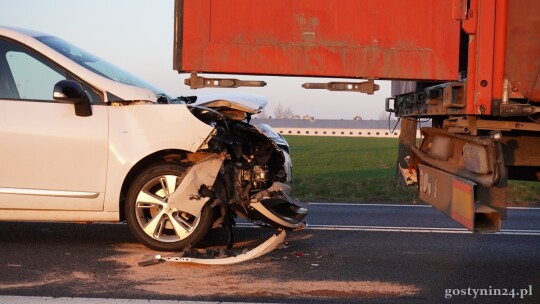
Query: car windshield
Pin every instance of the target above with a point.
(96, 64)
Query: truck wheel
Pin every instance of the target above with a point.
(152, 221)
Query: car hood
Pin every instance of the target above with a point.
(248, 103)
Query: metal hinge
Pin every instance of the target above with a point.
(368, 87)
(198, 82)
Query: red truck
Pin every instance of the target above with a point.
(471, 66)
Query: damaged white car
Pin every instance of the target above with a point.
(83, 141)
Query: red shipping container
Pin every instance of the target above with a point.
(390, 39)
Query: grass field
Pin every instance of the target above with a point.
(350, 169)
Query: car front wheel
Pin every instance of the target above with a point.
(153, 221)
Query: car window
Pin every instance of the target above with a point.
(96, 64)
(33, 79)
(27, 75)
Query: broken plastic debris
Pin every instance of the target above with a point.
(283, 245)
(152, 261)
(299, 254)
(256, 252)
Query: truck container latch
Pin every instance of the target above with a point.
(368, 87)
(198, 82)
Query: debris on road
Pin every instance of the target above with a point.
(220, 257)
(300, 254)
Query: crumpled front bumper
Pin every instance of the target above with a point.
(276, 206)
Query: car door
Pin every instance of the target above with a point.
(50, 159)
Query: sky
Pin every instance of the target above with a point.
(137, 35)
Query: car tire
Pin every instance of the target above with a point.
(151, 221)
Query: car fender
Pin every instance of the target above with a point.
(136, 131)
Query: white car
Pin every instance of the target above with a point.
(83, 141)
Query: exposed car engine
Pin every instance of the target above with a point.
(253, 180)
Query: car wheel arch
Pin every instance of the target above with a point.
(152, 159)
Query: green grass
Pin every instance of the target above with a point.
(345, 169)
(523, 193)
(348, 169)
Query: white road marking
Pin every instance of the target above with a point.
(523, 208)
(387, 229)
(402, 229)
(376, 205)
(402, 205)
(416, 229)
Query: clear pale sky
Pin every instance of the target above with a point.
(137, 35)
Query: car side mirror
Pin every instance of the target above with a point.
(69, 91)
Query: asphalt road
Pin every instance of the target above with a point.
(348, 254)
